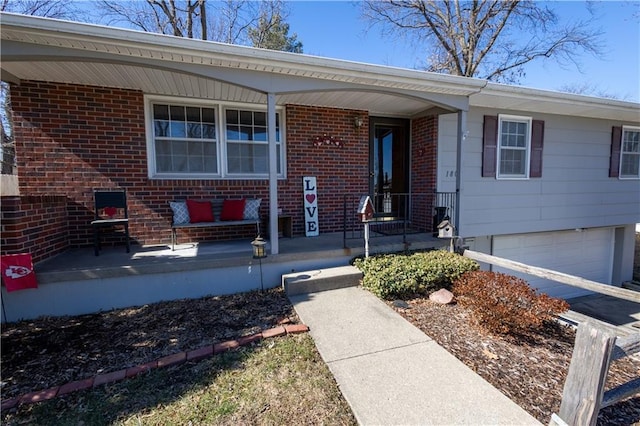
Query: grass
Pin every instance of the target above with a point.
(275, 381)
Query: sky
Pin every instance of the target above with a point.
(335, 29)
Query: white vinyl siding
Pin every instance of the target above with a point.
(199, 139)
(514, 147)
(630, 153)
(575, 190)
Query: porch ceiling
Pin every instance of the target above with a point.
(164, 82)
(69, 52)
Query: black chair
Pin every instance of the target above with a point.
(111, 212)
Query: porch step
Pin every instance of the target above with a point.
(321, 280)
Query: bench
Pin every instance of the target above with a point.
(251, 217)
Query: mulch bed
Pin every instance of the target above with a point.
(48, 352)
(530, 369)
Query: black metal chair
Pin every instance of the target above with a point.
(111, 212)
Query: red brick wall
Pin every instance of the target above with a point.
(72, 139)
(35, 225)
(339, 171)
(424, 154)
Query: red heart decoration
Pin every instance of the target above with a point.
(110, 211)
(310, 198)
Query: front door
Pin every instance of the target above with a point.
(389, 164)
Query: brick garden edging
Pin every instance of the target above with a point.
(166, 361)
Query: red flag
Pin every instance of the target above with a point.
(17, 272)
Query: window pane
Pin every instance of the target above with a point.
(246, 117)
(161, 128)
(209, 131)
(260, 134)
(163, 163)
(161, 112)
(193, 114)
(260, 119)
(163, 148)
(178, 148)
(208, 115)
(630, 165)
(233, 133)
(512, 162)
(232, 116)
(194, 130)
(178, 129)
(177, 113)
(246, 133)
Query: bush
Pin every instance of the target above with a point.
(396, 276)
(505, 304)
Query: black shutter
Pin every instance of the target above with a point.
(537, 141)
(489, 146)
(614, 160)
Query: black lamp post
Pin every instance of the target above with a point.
(259, 252)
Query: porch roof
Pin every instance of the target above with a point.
(69, 52)
(46, 49)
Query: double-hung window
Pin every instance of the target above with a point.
(630, 153)
(185, 139)
(514, 146)
(247, 142)
(189, 139)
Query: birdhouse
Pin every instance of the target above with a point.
(445, 229)
(365, 209)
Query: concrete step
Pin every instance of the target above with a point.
(321, 280)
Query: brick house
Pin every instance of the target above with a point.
(98, 107)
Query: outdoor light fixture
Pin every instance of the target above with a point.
(259, 252)
(259, 248)
(358, 121)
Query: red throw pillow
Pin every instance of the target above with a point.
(200, 211)
(232, 210)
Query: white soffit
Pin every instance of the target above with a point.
(128, 43)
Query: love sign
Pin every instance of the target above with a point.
(311, 228)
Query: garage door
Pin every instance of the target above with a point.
(587, 254)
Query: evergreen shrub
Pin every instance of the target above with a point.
(398, 276)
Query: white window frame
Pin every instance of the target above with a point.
(527, 160)
(631, 153)
(221, 141)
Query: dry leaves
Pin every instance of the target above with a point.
(531, 370)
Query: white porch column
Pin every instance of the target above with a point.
(462, 136)
(273, 174)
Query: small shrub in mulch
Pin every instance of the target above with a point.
(505, 304)
(397, 276)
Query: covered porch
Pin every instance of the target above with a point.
(77, 282)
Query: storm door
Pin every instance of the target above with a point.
(389, 165)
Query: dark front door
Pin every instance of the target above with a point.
(389, 164)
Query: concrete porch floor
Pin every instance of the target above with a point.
(114, 261)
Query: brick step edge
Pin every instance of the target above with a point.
(166, 361)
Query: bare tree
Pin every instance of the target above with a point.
(60, 9)
(226, 21)
(491, 39)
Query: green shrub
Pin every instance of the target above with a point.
(505, 304)
(396, 276)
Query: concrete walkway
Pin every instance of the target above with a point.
(390, 372)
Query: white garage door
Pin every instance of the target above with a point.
(587, 254)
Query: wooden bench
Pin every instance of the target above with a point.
(216, 205)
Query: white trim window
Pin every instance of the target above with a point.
(630, 153)
(514, 147)
(247, 144)
(196, 139)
